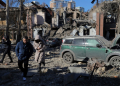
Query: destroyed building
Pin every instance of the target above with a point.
(60, 23)
(106, 17)
(66, 21)
(13, 23)
(42, 20)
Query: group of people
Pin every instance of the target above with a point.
(24, 50)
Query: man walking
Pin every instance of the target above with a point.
(24, 51)
(7, 47)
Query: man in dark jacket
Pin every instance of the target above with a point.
(24, 51)
(7, 47)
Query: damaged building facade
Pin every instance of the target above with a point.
(106, 17)
(60, 23)
(66, 21)
(42, 20)
(13, 23)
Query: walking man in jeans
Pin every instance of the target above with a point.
(24, 51)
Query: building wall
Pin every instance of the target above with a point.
(38, 18)
(95, 9)
(81, 9)
(100, 24)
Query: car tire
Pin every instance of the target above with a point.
(68, 57)
(115, 61)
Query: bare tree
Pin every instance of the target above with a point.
(15, 3)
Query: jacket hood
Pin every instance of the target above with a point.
(38, 37)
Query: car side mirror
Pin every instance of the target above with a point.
(98, 45)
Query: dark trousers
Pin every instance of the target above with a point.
(25, 69)
(7, 51)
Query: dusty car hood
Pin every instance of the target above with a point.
(116, 40)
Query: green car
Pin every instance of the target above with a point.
(84, 47)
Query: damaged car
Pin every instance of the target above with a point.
(53, 42)
(84, 47)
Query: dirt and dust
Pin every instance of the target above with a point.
(53, 74)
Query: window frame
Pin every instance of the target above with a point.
(69, 39)
(77, 44)
(94, 39)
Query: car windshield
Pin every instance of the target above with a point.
(105, 42)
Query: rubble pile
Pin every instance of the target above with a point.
(58, 73)
(64, 22)
(79, 31)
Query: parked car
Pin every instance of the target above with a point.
(85, 47)
(53, 42)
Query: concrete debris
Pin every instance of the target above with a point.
(91, 63)
(82, 27)
(60, 30)
(94, 66)
(76, 70)
(73, 32)
(100, 70)
(79, 31)
(48, 53)
(44, 70)
(48, 71)
(88, 27)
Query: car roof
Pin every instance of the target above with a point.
(87, 36)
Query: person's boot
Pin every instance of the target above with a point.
(11, 61)
(39, 68)
(43, 63)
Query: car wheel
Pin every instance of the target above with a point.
(115, 61)
(68, 57)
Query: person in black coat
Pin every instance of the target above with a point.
(24, 50)
(7, 48)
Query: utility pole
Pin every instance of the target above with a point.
(19, 24)
(7, 17)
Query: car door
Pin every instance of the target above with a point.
(92, 51)
(78, 48)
